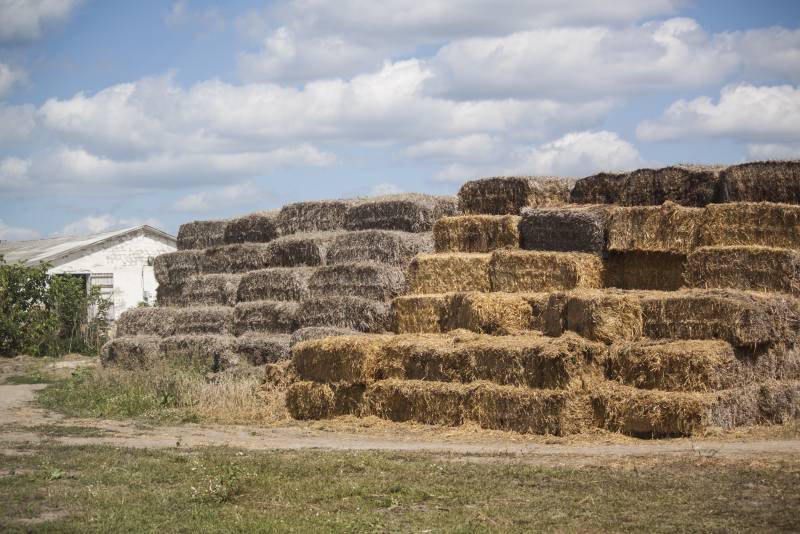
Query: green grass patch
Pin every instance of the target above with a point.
(34, 377)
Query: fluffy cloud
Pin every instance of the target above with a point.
(94, 224)
(16, 233)
(758, 151)
(225, 197)
(754, 114)
(26, 19)
(9, 77)
(17, 123)
(473, 147)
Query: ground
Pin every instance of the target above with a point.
(60, 473)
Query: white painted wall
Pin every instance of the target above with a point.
(126, 257)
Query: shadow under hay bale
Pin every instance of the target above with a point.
(258, 349)
(567, 229)
(169, 295)
(266, 316)
(667, 228)
(311, 400)
(174, 268)
(508, 195)
(131, 352)
(443, 273)
(258, 227)
(761, 181)
(201, 234)
(210, 290)
(314, 216)
(147, 321)
(203, 320)
(687, 185)
(374, 281)
(601, 188)
(301, 250)
(382, 246)
(405, 212)
(515, 271)
(661, 271)
(356, 313)
(276, 283)
(319, 332)
(749, 268)
(421, 314)
(769, 225)
(476, 233)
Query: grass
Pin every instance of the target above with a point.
(34, 377)
(102, 489)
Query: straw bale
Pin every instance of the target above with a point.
(351, 359)
(319, 332)
(508, 195)
(203, 320)
(276, 283)
(687, 185)
(266, 316)
(603, 316)
(174, 268)
(169, 295)
(496, 313)
(667, 228)
(644, 270)
(741, 318)
(476, 233)
(345, 312)
(601, 188)
(237, 258)
(769, 225)
(130, 352)
(753, 268)
(259, 349)
(201, 234)
(564, 229)
(516, 271)
(279, 375)
(311, 400)
(314, 216)
(147, 320)
(405, 212)
(371, 280)
(443, 273)
(382, 246)
(432, 403)
(210, 290)
(300, 250)
(259, 227)
(761, 181)
(420, 314)
(208, 352)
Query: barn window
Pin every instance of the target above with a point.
(105, 282)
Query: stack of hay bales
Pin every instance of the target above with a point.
(243, 290)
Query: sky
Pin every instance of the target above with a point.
(114, 114)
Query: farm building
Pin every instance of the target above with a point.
(120, 263)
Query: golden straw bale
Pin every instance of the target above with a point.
(764, 224)
(516, 271)
(444, 273)
(603, 316)
(421, 314)
(131, 352)
(667, 228)
(476, 233)
(351, 359)
(752, 268)
(312, 400)
(495, 313)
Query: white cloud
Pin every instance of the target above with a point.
(17, 123)
(10, 77)
(14, 174)
(27, 19)
(225, 197)
(16, 233)
(754, 114)
(472, 147)
(105, 222)
(773, 151)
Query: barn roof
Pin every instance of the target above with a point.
(38, 251)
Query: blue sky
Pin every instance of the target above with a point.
(118, 113)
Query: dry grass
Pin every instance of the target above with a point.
(443, 273)
(382, 246)
(476, 233)
(516, 271)
(750, 268)
(667, 228)
(564, 229)
(508, 195)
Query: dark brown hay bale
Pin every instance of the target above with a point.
(314, 216)
(601, 188)
(203, 320)
(508, 195)
(644, 270)
(432, 403)
(147, 321)
(311, 400)
(375, 281)
(420, 314)
(761, 181)
(169, 295)
(258, 227)
(687, 185)
(751, 268)
(276, 283)
(496, 313)
(319, 332)
(201, 234)
(300, 250)
(208, 352)
(476, 233)
(266, 316)
(260, 349)
(382, 246)
(769, 225)
(345, 312)
(406, 212)
(603, 316)
(443, 273)
(516, 271)
(668, 228)
(174, 268)
(131, 352)
(566, 229)
(741, 318)
(210, 290)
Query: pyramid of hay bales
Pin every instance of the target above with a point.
(656, 302)
(243, 290)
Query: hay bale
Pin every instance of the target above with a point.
(169, 295)
(314, 216)
(432, 403)
(517, 271)
(741, 318)
(349, 359)
(565, 229)
(131, 352)
(603, 316)
(355, 313)
(174, 268)
(201, 234)
(266, 316)
(382, 246)
(495, 313)
(301, 250)
(210, 290)
(761, 181)
(276, 283)
(375, 281)
(260, 349)
(662, 271)
(764, 224)
(259, 227)
(443, 273)
(407, 212)
(207, 352)
(311, 400)
(667, 228)
(508, 195)
(146, 320)
(203, 320)
(319, 332)
(476, 233)
(421, 314)
(750, 268)
(238, 258)
(601, 188)
(687, 185)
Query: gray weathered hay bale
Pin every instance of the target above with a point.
(276, 283)
(174, 268)
(259, 227)
(603, 316)
(169, 295)
(266, 316)
(443, 273)
(476, 233)
(206, 351)
(299, 250)
(661, 271)
(508, 195)
(258, 349)
(769, 225)
(407, 212)
(515, 271)
(131, 352)
(210, 290)
(667, 228)
(319, 332)
(496, 313)
(565, 229)
(147, 321)
(203, 320)
(761, 181)
(687, 185)
(201, 234)
(356, 313)
(314, 216)
(383, 246)
(421, 314)
(742, 318)
(375, 281)
(751, 268)
(238, 258)
(601, 188)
